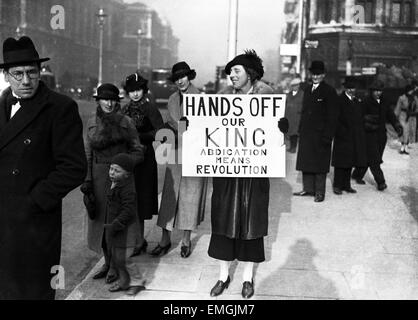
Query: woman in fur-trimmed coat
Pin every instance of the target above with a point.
(108, 133)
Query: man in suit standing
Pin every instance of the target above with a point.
(41, 159)
(376, 112)
(317, 128)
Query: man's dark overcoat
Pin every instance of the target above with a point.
(317, 128)
(375, 117)
(349, 148)
(41, 159)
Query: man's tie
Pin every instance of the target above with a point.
(181, 98)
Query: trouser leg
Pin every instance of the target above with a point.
(320, 180)
(308, 180)
(359, 172)
(338, 178)
(377, 174)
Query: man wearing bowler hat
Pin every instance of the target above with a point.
(317, 128)
(376, 112)
(41, 159)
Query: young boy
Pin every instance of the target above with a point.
(121, 226)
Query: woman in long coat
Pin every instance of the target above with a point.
(406, 111)
(108, 133)
(349, 149)
(294, 100)
(147, 119)
(183, 199)
(239, 214)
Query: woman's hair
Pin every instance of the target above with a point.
(254, 76)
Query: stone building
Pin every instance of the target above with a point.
(74, 49)
(354, 36)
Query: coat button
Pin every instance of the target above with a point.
(15, 172)
(27, 141)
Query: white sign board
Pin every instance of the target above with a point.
(233, 136)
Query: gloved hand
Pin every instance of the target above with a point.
(185, 119)
(284, 125)
(399, 130)
(87, 187)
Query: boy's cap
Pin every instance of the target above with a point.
(125, 161)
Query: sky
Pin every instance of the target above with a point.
(202, 28)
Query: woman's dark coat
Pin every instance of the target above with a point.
(317, 128)
(41, 160)
(121, 213)
(293, 111)
(147, 119)
(240, 205)
(375, 117)
(349, 148)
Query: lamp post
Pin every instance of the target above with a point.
(101, 19)
(138, 59)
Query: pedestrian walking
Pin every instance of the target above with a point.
(349, 148)
(293, 111)
(108, 133)
(406, 112)
(239, 213)
(147, 119)
(183, 199)
(317, 128)
(41, 160)
(121, 224)
(376, 112)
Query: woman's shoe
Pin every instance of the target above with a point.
(133, 290)
(158, 250)
(219, 287)
(112, 278)
(101, 273)
(116, 287)
(138, 250)
(247, 289)
(186, 250)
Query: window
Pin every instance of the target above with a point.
(329, 10)
(401, 13)
(369, 7)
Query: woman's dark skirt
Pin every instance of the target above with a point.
(146, 184)
(227, 249)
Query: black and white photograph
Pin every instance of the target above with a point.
(208, 154)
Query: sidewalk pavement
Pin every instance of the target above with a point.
(352, 246)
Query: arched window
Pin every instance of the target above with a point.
(369, 7)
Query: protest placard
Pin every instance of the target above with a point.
(233, 136)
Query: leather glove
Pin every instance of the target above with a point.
(87, 187)
(284, 125)
(185, 119)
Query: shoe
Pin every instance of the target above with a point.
(319, 197)
(158, 250)
(219, 287)
(303, 193)
(381, 186)
(405, 152)
(186, 250)
(337, 190)
(247, 289)
(138, 250)
(102, 273)
(360, 181)
(116, 287)
(133, 290)
(350, 190)
(111, 277)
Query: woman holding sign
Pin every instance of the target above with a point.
(239, 214)
(183, 198)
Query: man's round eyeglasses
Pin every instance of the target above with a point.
(18, 75)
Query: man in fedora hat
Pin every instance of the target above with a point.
(41, 159)
(317, 127)
(376, 112)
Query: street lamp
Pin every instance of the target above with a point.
(138, 59)
(101, 19)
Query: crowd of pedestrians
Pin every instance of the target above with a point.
(43, 156)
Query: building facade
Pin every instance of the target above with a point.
(355, 36)
(74, 49)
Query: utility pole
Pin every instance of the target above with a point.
(233, 29)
